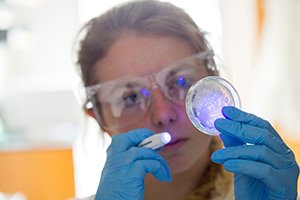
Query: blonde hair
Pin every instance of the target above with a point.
(147, 17)
(216, 182)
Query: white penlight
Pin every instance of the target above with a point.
(165, 137)
(156, 141)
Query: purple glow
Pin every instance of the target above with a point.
(181, 81)
(145, 92)
(210, 107)
(205, 100)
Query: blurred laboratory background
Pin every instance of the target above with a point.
(49, 149)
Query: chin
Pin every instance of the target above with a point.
(179, 165)
(186, 161)
(178, 170)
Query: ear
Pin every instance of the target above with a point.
(91, 113)
(88, 109)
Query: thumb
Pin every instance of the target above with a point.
(229, 141)
(227, 138)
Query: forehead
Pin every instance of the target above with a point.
(140, 55)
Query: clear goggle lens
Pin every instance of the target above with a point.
(125, 101)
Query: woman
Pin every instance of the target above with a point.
(137, 62)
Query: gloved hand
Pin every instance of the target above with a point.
(264, 167)
(126, 166)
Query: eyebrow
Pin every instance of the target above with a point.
(183, 67)
(129, 84)
(177, 67)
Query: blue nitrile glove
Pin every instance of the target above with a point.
(126, 166)
(264, 170)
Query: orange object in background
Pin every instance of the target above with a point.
(293, 144)
(260, 9)
(39, 174)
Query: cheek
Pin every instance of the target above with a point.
(183, 115)
(117, 130)
(200, 143)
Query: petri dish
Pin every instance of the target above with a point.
(205, 100)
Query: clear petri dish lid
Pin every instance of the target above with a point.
(205, 100)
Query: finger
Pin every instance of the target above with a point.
(264, 172)
(229, 140)
(251, 134)
(255, 153)
(124, 141)
(237, 115)
(133, 154)
(160, 170)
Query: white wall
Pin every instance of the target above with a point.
(265, 72)
(37, 70)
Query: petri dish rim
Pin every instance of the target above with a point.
(221, 82)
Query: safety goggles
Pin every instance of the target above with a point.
(125, 101)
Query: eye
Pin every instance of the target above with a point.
(132, 99)
(182, 82)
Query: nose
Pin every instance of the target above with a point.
(163, 112)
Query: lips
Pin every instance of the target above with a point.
(175, 144)
(174, 141)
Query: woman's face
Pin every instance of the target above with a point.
(141, 55)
